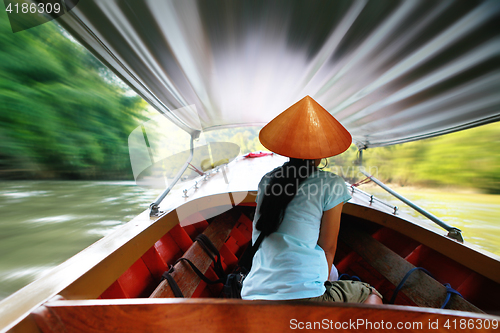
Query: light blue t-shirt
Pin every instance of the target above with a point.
(289, 263)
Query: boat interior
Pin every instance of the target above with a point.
(119, 279)
(377, 254)
(369, 250)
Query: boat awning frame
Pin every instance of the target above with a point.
(391, 72)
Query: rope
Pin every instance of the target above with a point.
(349, 277)
(449, 289)
(449, 292)
(175, 287)
(199, 273)
(209, 248)
(364, 181)
(192, 167)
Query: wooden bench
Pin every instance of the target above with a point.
(420, 287)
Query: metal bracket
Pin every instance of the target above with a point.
(359, 161)
(154, 212)
(456, 234)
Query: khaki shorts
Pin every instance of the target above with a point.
(345, 291)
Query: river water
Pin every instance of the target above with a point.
(44, 223)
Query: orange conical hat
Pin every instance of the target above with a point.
(307, 131)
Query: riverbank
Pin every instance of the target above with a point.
(429, 189)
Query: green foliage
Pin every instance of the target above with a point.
(60, 114)
(247, 138)
(469, 159)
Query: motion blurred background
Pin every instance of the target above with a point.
(66, 179)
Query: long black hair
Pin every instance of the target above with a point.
(281, 189)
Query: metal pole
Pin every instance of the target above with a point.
(453, 232)
(154, 206)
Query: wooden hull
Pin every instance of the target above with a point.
(107, 287)
(218, 315)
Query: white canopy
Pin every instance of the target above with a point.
(389, 71)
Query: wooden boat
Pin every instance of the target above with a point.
(116, 284)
